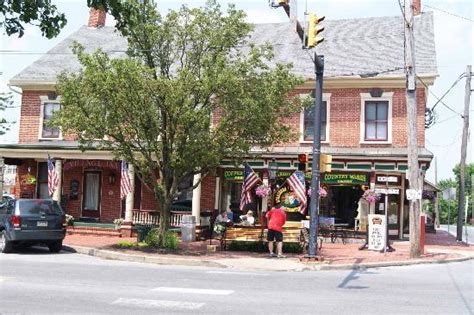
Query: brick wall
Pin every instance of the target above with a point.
(148, 199)
(30, 117)
(345, 112)
(22, 188)
(110, 203)
(208, 189)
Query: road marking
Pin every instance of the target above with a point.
(158, 304)
(193, 291)
(238, 273)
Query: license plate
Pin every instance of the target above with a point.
(42, 223)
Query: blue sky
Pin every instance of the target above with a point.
(453, 35)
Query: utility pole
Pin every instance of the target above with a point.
(465, 132)
(436, 205)
(413, 168)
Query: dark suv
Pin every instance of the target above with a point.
(31, 221)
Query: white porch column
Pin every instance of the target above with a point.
(59, 171)
(217, 194)
(196, 204)
(265, 199)
(129, 199)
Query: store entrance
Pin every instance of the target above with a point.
(343, 202)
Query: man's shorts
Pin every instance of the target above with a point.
(274, 235)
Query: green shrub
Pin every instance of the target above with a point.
(171, 240)
(126, 244)
(151, 238)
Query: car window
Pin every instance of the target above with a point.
(39, 207)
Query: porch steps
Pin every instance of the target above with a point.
(94, 231)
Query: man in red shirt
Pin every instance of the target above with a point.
(276, 219)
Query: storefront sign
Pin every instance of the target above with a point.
(377, 232)
(337, 178)
(286, 174)
(387, 179)
(115, 165)
(389, 191)
(287, 199)
(234, 175)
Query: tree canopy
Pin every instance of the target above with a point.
(5, 102)
(41, 13)
(191, 91)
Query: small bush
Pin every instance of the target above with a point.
(126, 244)
(171, 240)
(151, 238)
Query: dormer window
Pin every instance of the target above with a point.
(48, 107)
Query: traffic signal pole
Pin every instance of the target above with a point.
(315, 171)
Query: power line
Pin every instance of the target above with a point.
(452, 86)
(449, 13)
(438, 98)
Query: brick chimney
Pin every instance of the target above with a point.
(416, 7)
(96, 18)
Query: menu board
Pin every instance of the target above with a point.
(377, 232)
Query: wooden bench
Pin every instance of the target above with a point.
(291, 234)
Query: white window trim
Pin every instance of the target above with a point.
(364, 97)
(327, 99)
(44, 99)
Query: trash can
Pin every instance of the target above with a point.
(142, 232)
(188, 228)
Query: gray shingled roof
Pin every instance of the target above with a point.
(351, 47)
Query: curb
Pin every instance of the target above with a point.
(107, 254)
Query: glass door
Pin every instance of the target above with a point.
(91, 202)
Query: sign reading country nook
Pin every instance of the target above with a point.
(343, 178)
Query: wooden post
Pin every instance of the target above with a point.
(436, 205)
(413, 167)
(465, 132)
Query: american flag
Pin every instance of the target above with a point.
(53, 179)
(297, 184)
(250, 180)
(125, 186)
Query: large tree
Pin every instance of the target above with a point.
(191, 91)
(41, 13)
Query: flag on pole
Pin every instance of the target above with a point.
(125, 185)
(250, 180)
(53, 179)
(297, 183)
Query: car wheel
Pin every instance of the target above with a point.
(55, 247)
(5, 246)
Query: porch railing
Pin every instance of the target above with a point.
(149, 217)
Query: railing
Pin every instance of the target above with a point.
(149, 217)
(153, 218)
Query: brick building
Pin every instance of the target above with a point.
(364, 124)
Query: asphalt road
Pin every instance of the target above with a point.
(467, 232)
(36, 282)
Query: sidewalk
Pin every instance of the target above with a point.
(440, 248)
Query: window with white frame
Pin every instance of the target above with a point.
(376, 118)
(376, 121)
(47, 132)
(308, 116)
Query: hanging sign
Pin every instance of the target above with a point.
(287, 199)
(341, 178)
(377, 232)
(413, 194)
(389, 191)
(382, 179)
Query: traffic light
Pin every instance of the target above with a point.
(314, 29)
(325, 161)
(302, 162)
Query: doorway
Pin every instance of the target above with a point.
(91, 201)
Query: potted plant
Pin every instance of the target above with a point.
(118, 223)
(69, 220)
(371, 196)
(263, 191)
